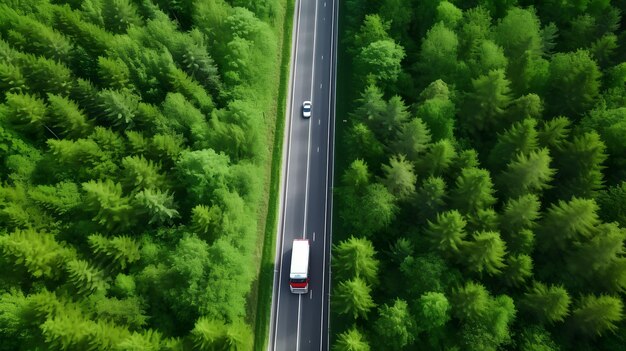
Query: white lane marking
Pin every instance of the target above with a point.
(313, 236)
(319, 121)
(310, 298)
(298, 328)
(322, 57)
(318, 149)
(320, 86)
(308, 159)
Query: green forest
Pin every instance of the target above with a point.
(480, 193)
(136, 143)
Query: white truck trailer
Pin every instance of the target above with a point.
(299, 273)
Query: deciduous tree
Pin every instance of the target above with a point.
(573, 83)
(433, 311)
(395, 325)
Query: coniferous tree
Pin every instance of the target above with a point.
(371, 105)
(536, 338)
(554, 133)
(353, 298)
(529, 106)
(147, 340)
(448, 232)
(518, 269)
(12, 79)
(520, 138)
(166, 147)
(613, 277)
(46, 76)
(438, 55)
(357, 176)
(209, 334)
(120, 250)
(67, 118)
(485, 219)
(486, 102)
(474, 29)
(595, 315)
(547, 304)
(470, 301)
(567, 222)
(363, 144)
(140, 173)
(519, 34)
(113, 74)
(612, 202)
(437, 110)
(485, 252)
(351, 340)
(597, 254)
(486, 56)
(579, 166)
(527, 174)
(430, 198)
(427, 273)
(490, 330)
(395, 325)
(473, 191)
(449, 14)
(119, 107)
(110, 207)
(62, 199)
(119, 15)
(437, 159)
(38, 252)
(25, 113)
(355, 257)
(399, 178)
(372, 211)
(413, 139)
(207, 221)
(85, 278)
(520, 213)
(395, 115)
(372, 29)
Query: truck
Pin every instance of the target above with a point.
(299, 272)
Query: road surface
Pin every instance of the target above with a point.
(300, 322)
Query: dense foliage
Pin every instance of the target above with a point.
(481, 192)
(135, 138)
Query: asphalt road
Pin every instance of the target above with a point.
(300, 322)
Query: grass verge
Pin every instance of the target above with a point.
(266, 274)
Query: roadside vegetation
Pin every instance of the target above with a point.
(480, 199)
(136, 144)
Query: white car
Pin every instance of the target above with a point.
(306, 109)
